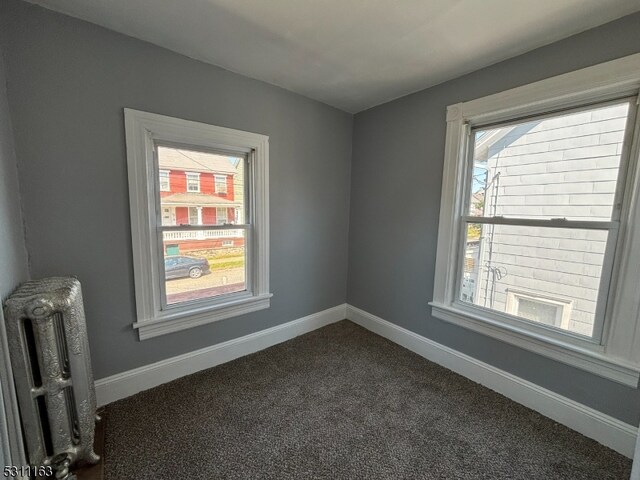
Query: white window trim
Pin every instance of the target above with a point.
(617, 357)
(142, 130)
(193, 175)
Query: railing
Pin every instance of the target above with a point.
(201, 234)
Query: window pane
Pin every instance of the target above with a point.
(563, 166)
(203, 264)
(538, 311)
(200, 188)
(546, 275)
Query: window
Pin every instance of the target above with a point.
(195, 215)
(193, 182)
(165, 186)
(183, 275)
(542, 196)
(539, 308)
(168, 217)
(221, 216)
(220, 183)
(538, 209)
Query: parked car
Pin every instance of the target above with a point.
(181, 266)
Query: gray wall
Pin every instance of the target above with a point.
(398, 151)
(13, 255)
(13, 266)
(68, 82)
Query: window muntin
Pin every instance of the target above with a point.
(543, 202)
(197, 261)
(193, 182)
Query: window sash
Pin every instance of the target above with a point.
(248, 248)
(601, 302)
(619, 195)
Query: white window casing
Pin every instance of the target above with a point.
(616, 353)
(145, 130)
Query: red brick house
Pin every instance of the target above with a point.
(199, 188)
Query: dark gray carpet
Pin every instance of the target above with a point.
(340, 402)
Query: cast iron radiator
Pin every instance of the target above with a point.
(50, 358)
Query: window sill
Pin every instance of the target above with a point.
(574, 355)
(189, 319)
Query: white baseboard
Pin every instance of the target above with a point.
(128, 383)
(605, 429)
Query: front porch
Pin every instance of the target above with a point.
(180, 242)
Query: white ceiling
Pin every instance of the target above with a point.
(352, 54)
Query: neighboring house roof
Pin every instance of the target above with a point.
(190, 161)
(197, 199)
(486, 140)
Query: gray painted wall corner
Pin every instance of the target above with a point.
(398, 153)
(69, 137)
(361, 192)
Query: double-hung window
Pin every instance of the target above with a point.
(544, 198)
(220, 184)
(538, 216)
(221, 216)
(193, 182)
(185, 273)
(165, 185)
